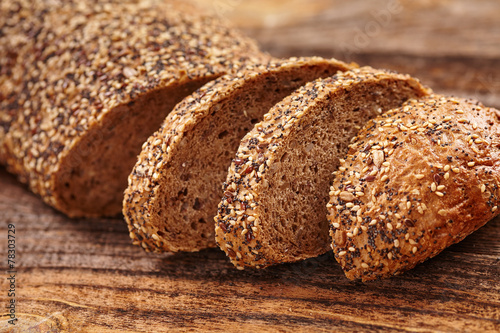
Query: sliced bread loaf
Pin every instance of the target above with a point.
(275, 195)
(84, 83)
(176, 184)
(416, 180)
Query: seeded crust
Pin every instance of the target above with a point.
(273, 209)
(416, 180)
(84, 83)
(175, 186)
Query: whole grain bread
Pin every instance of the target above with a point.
(175, 185)
(84, 83)
(275, 195)
(415, 180)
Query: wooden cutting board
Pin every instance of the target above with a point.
(84, 275)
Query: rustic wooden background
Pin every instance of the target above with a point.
(85, 276)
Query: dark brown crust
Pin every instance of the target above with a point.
(426, 175)
(172, 186)
(240, 232)
(70, 66)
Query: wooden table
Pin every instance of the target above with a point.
(85, 276)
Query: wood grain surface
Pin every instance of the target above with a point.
(85, 276)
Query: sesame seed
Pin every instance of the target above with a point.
(442, 212)
(408, 204)
(419, 176)
(364, 265)
(336, 225)
(471, 164)
(352, 249)
(447, 175)
(494, 208)
(342, 169)
(329, 205)
(389, 255)
(389, 226)
(372, 222)
(349, 205)
(440, 187)
(440, 194)
(483, 188)
(384, 178)
(433, 187)
(455, 170)
(360, 194)
(446, 167)
(342, 253)
(349, 234)
(396, 242)
(414, 249)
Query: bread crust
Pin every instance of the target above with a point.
(240, 230)
(166, 154)
(416, 180)
(71, 72)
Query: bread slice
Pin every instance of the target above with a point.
(275, 195)
(416, 180)
(176, 184)
(84, 84)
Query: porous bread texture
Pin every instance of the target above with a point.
(175, 185)
(273, 209)
(84, 83)
(415, 180)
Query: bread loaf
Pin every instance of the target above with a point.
(175, 186)
(416, 180)
(84, 83)
(275, 195)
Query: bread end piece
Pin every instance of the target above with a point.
(415, 180)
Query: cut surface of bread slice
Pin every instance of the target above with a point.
(85, 83)
(416, 180)
(176, 183)
(275, 195)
